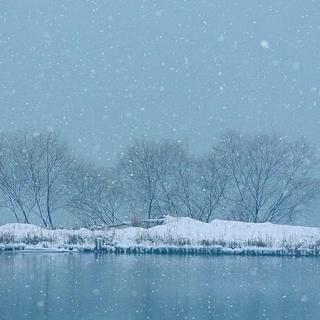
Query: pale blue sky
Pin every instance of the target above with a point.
(105, 71)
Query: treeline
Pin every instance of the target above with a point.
(254, 178)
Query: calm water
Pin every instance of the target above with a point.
(82, 286)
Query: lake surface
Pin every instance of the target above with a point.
(85, 286)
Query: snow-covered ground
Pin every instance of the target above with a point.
(174, 232)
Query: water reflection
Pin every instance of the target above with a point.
(84, 286)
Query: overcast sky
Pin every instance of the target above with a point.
(103, 72)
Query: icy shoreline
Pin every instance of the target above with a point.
(183, 236)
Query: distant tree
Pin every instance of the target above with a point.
(14, 178)
(184, 179)
(170, 156)
(138, 165)
(48, 161)
(255, 178)
(211, 183)
(163, 178)
(199, 185)
(96, 195)
(271, 179)
(32, 175)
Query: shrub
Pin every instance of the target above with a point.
(144, 236)
(182, 242)
(170, 240)
(109, 240)
(75, 239)
(256, 243)
(213, 242)
(7, 238)
(234, 245)
(33, 239)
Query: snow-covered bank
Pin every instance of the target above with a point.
(176, 235)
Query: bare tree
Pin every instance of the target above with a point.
(198, 186)
(163, 178)
(138, 164)
(210, 184)
(272, 179)
(156, 178)
(48, 161)
(97, 195)
(184, 179)
(169, 156)
(32, 175)
(254, 178)
(14, 178)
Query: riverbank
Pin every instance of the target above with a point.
(174, 236)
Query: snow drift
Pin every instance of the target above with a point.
(174, 232)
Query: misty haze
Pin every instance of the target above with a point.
(159, 159)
